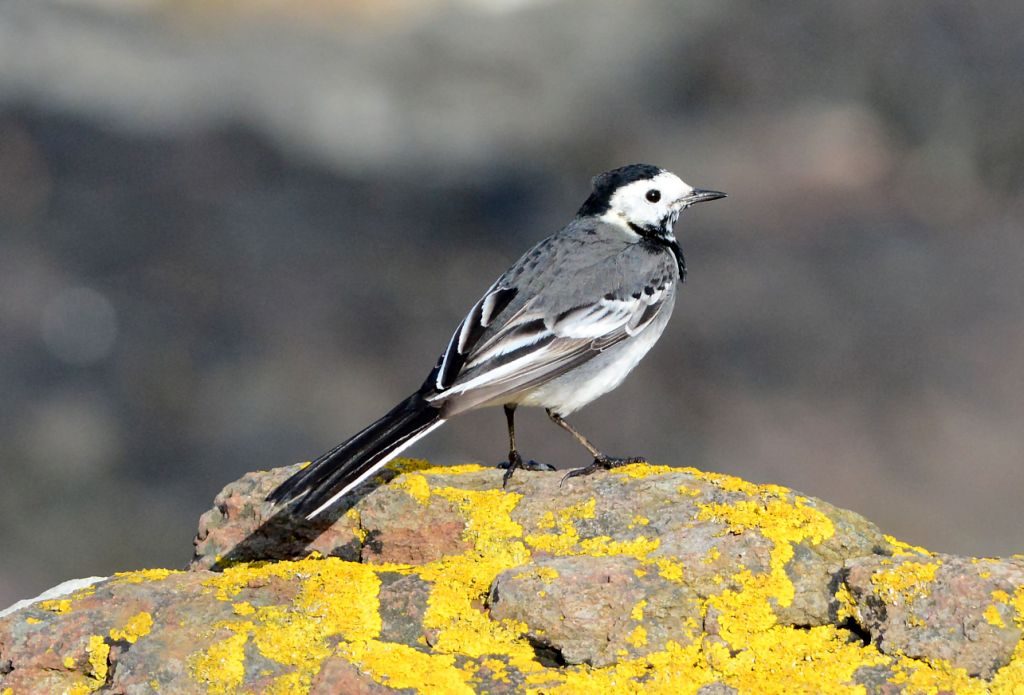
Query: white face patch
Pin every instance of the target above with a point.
(648, 203)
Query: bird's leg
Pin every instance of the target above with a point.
(601, 460)
(514, 459)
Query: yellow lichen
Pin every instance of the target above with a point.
(69, 662)
(900, 548)
(669, 569)
(497, 668)
(414, 485)
(642, 470)
(408, 465)
(335, 611)
(140, 576)
(221, 668)
(337, 599)
(461, 582)
(399, 666)
(638, 637)
(992, 616)
(99, 653)
(1018, 605)
(58, 606)
(459, 470)
(137, 626)
(357, 524)
(638, 521)
(603, 546)
(904, 582)
(847, 605)
(32, 621)
(919, 677)
(780, 521)
(546, 574)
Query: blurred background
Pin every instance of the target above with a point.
(232, 233)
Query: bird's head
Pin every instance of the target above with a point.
(642, 199)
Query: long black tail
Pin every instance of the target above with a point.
(337, 471)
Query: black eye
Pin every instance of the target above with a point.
(654, 195)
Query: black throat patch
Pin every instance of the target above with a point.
(659, 240)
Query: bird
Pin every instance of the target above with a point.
(562, 326)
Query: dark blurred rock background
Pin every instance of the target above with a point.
(233, 233)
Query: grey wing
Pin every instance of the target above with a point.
(505, 353)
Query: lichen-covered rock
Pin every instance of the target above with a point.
(965, 611)
(643, 579)
(597, 610)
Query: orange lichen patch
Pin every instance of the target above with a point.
(137, 626)
(904, 582)
(900, 548)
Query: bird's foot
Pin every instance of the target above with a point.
(516, 461)
(602, 463)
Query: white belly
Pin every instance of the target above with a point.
(597, 377)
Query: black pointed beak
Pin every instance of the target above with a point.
(699, 195)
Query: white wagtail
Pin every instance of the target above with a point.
(564, 325)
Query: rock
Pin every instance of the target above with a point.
(644, 579)
(243, 526)
(940, 607)
(597, 610)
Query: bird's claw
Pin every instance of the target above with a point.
(602, 463)
(516, 461)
